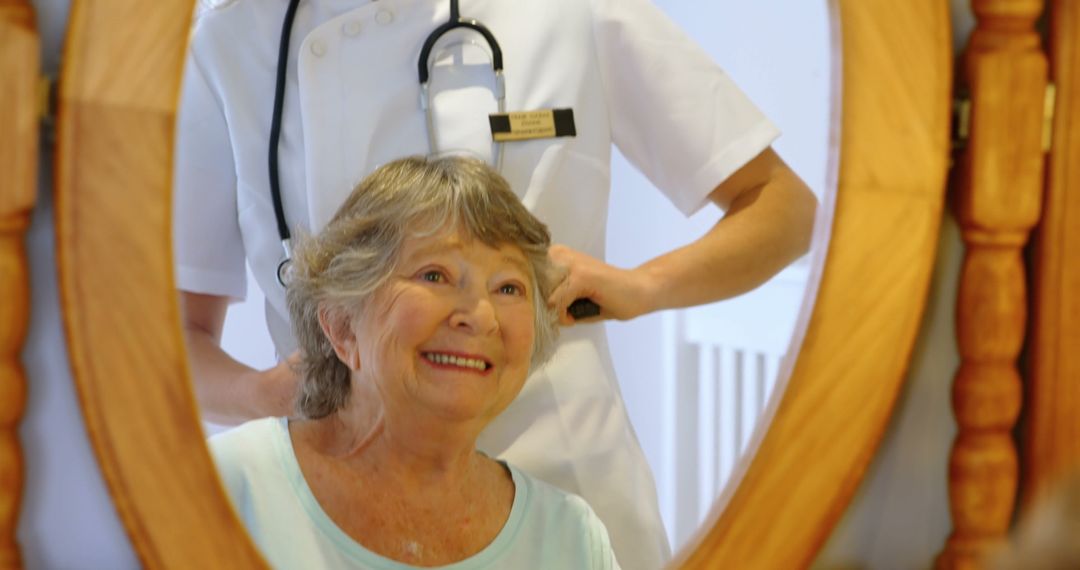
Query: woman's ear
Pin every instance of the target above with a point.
(337, 326)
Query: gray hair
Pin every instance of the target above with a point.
(343, 265)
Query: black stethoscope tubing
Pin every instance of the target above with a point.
(580, 308)
(275, 138)
(455, 21)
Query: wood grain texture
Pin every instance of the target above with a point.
(1051, 442)
(120, 82)
(19, 70)
(893, 158)
(998, 195)
(126, 343)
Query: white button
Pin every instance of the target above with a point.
(384, 17)
(351, 28)
(318, 48)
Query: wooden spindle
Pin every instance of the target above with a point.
(19, 71)
(999, 186)
(1051, 444)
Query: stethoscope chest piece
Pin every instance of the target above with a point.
(285, 266)
(283, 270)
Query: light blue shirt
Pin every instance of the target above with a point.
(547, 527)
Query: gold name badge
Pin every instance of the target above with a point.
(525, 125)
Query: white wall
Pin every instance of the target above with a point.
(68, 520)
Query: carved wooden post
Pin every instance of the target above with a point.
(19, 71)
(1051, 445)
(998, 197)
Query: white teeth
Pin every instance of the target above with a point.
(473, 363)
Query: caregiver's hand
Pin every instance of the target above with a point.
(230, 392)
(768, 223)
(621, 293)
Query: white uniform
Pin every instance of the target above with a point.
(352, 103)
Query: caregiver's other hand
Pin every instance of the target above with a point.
(621, 293)
(230, 392)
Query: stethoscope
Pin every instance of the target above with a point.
(424, 71)
(578, 309)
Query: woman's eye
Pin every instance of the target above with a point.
(511, 289)
(433, 276)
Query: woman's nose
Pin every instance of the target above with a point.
(476, 314)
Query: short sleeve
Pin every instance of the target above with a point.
(675, 114)
(208, 247)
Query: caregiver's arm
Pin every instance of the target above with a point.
(768, 224)
(230, 392)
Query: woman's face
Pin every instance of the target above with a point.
(450, 335)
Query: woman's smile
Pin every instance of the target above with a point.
(457, 361)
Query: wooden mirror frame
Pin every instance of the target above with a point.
(119, 87)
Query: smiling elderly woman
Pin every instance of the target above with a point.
(420, 310)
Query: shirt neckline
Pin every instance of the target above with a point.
(354, 550)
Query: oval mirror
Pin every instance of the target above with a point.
(117, 110)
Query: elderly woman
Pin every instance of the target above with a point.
(420, 310)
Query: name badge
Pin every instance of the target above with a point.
(526, 125)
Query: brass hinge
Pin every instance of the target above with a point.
(46, 104)
(961, 120)
(1048, 117)
(961, 129)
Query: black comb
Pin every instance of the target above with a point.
(583, 308)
